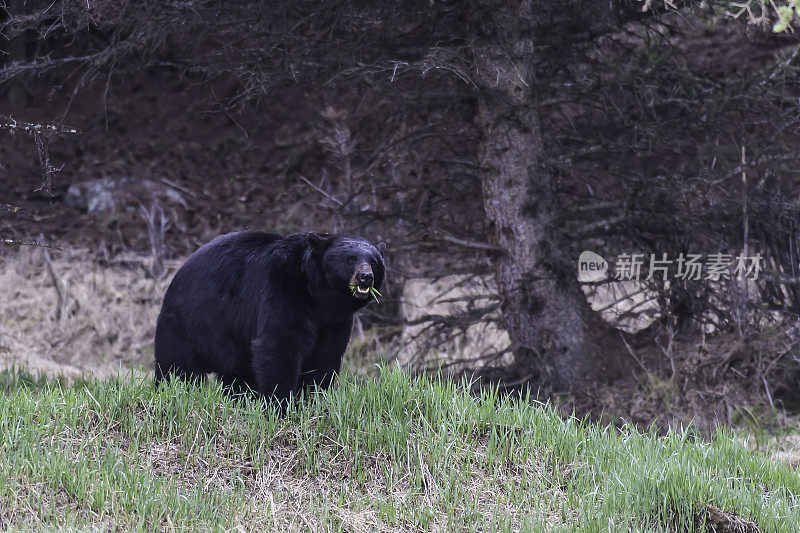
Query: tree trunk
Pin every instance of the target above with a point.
(557, 339)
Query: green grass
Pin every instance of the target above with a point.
(392, 453)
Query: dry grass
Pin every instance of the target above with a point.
(105, 319)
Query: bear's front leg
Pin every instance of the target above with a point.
(325, 360)
(277, 358)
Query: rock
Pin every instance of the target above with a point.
(108, 195)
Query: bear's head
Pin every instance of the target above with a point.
(352, 266)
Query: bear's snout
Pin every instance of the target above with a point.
(362, 281)
(363, 275)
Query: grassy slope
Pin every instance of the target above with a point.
(387, 453)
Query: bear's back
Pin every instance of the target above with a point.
(221, 261)
(240, 243)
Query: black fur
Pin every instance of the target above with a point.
(263, 311)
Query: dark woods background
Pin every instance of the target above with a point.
(489, 140)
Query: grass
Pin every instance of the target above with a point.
(385, 453)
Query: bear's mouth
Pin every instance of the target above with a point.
(361, 290)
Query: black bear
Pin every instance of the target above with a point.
(264, 311)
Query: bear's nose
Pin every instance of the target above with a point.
(366, 278)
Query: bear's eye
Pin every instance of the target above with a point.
(351, 260)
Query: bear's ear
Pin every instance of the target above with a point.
(381, 247)
(319, 242)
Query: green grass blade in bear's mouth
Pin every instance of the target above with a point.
(356, 290)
